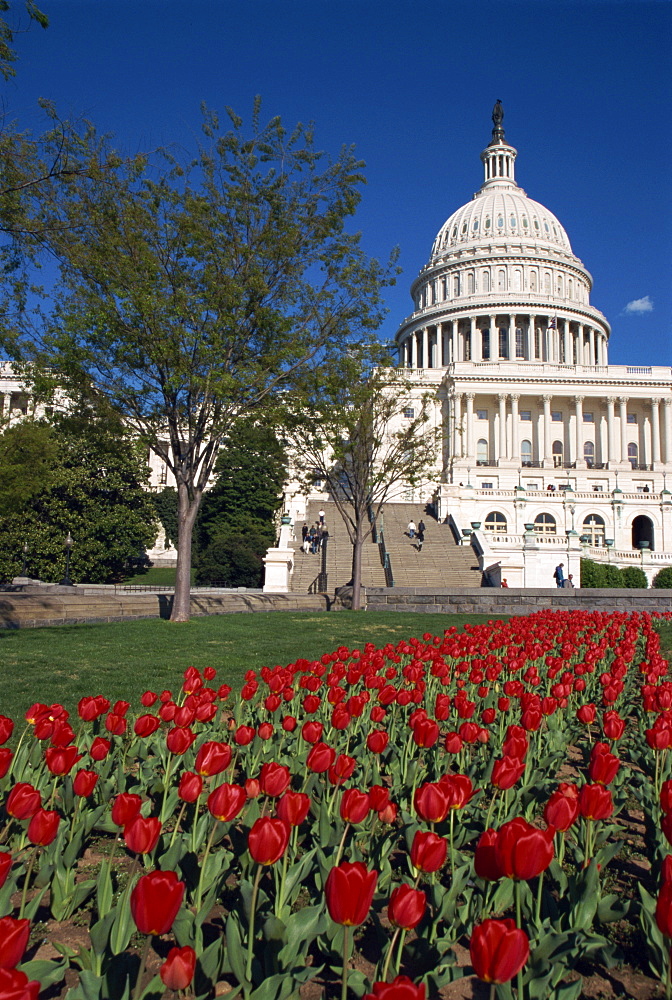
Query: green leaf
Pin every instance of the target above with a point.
(234, 949)
(46, 972)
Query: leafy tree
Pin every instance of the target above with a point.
(9, 29)
(634, 577)
(190, 297)
(165, 504)
(663, 579)
(77, 474)
(362, 430)
(237, 520)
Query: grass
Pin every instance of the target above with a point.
(156, 576)
(122, 660)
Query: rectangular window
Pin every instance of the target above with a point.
(486, 486)
(532, 486)
(481, 414)
(526, 415)
(598, 489)
(588, 418)
(556, 416)
(632, 418)
(409, 412)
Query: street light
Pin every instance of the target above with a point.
(66, 581)
(25, 557)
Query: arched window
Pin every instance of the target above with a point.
(526, 453)
(633, 455)
(501, 280)
(559, 284)
(485, 345)
(456, 285)
(589, 454)
(558, 454)
(547, 282)
(593, 527)
(570, 288)
(517, 280)
(544, 524)
(482, 452)
(533, 281)
(520, 343)
(495, 522)
(503, 342)
(485, 281)
(471, 286)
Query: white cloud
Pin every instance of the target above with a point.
(644, 305)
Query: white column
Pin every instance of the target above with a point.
(655, 430)
(667, 423)
(622, 402)
(591, 348)
(414, 349)
(548, 451)
(454, 355)
(475, 341)
(579, 432)
(501, 396)
(494, 339)
(531, 324)
(424, 345)
(515, 448)
(611, 441)
(512, 338)
(457, 425)
(568, 343)
(470, 425)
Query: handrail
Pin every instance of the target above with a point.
(378, 535)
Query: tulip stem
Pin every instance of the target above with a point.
(450, 844)
(490, 808)
(195, 823)
(166, 786)
(177, 825)
(26, 882)
(388, 957)
(519, 925)
(202, 866)
(493, 991)
(539, 893)
(344, 980)
(342, 844)
(400, 950)
(141, 970)
(250, 936)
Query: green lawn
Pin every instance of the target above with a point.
(156, 576)
(122, 660)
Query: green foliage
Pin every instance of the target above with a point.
(237, 521)
(165, 504)
(77, 474)
(9, 29)
(634, 577)
(595, 575)
(663, 579)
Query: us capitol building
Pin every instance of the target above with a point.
(547, 449)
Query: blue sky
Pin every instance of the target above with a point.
(586, 88)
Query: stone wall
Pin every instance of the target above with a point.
(31, 610)
(495, 602)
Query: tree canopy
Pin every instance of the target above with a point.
(189, 295)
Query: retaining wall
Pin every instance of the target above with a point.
(509, 601)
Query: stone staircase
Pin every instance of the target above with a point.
(441, 563)
(338, 567)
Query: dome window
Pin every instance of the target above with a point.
(454, 232)
(475, 224)
(525, 223)
(546, 228)
(555, 233)
(536, 224)
(487, 222)
(464, 227)
(512, 221)
(500, 222)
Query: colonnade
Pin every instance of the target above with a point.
(541, 432)
(504, 337)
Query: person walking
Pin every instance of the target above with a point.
(422, 526)
(321, 514)
(559, 575)
(421, 537)
(411, 529)
(569, 583)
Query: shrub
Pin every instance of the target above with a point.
(591, 574)
(613, 576)
(634, 577)
(663, 579)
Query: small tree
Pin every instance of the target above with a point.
(364, 431)
(191, 297)
(634, 578)
(663, 579)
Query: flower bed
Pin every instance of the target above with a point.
(385, 804)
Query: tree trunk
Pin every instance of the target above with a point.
(357, 567)
(186, 518)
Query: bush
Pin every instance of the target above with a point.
(595, 575)
(635, 578)
(663, 579)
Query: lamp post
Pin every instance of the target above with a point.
(66, 581)
(25, 558)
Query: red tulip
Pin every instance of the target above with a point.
(155, 902)
(84, 783)
(14, 985)
(562, 808)
(274, 779)
(379, 796)
(142, 834)
(6, 728)
(267, 840)
(498, 950)
(179, 739)
(226, 801)
(666, 796)
(312, 731)
(586, 714)
(377, 741)
(485, 857)
(431, 802)
(148, 699)
(6, 756)
(125, 808)
(320, 758)
(265, 731)
(425, 733)
(289, 723)
(293, 807)
(388, 813)
(178, 969)
(43, 827)
(595, 802)
(59, 760)
(342, 769)
(603, 767)
(428, 851)
(100, 748)
(458, 788)
(23, 801)
(212, 758)
(243, 735)
(146, 725)
(14, 936)
(613, 725)
(506, 771)
(354, 805)
(453, 743)
(349, 893)
(522, 851)
(190, 786)
(5, 866)
(252, 788)
(401, 988)
(664, 909)
(406, 907)
(115, 724)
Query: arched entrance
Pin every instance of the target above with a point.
(642, 531)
